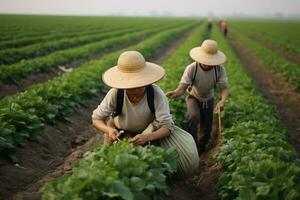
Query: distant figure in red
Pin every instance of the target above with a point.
(223, 27)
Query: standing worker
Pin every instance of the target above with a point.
(201, 78)
(224, 27)
(209, 25)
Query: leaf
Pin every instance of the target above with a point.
(137, 183)
(263, 190)
(123, 191)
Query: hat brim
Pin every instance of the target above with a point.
(199, 55)
(151, 73)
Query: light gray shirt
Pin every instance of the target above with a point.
(136, 117)
(203, 87)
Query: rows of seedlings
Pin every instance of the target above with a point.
(19, 71)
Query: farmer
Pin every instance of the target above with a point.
(224, 27)
(140, 108)
(209, 25)
(201, 78)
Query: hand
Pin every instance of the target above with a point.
(172, 94)
(112, 134)
(220, 105)
(139, 139)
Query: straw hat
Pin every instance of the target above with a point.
(132, 71)
(208, 53)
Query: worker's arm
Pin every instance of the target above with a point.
(101, 126)
(178, 92)
(224, 95)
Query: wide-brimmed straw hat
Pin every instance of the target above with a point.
(132, 71)
(208, 53)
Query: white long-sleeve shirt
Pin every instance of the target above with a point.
(136, 117)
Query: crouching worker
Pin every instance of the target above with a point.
(140, 108)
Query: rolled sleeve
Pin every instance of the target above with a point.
(107, 106)
(188, 74)
(223, 80)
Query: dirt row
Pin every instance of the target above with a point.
(275, 88)
(65, 142)
(42, 161)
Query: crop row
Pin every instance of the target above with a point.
(283, 35)
(17, 43)
(19, 71)
(289, 70)
(22, 116)
(67, 32)
(10, 56)
(258, 162)
(17, 27)
(31, 29)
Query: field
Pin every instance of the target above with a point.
(50, 82)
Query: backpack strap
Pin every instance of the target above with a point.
(195, 73)
(120, 100)
(150, 98)
(216, 75)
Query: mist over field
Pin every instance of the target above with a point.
(217, 8)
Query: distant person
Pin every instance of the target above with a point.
(201, 78)
(209, 25)
(224, 27)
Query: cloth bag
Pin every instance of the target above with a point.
(186, 147)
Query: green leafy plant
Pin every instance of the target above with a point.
(258, 162)
(117, 171)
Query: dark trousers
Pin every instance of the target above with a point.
(200, 114)
(225, 32)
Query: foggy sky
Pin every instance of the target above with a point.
(152, 7)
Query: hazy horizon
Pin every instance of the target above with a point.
(181, 8)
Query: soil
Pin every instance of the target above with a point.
(49, 158)
(61, 145)
(164, 54)
(203, 185)
(276, 89)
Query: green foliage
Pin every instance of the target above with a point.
(13, 55)
(258, 162)
(279, 34)
(117, 171)
(20, 70)
(21, 42)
